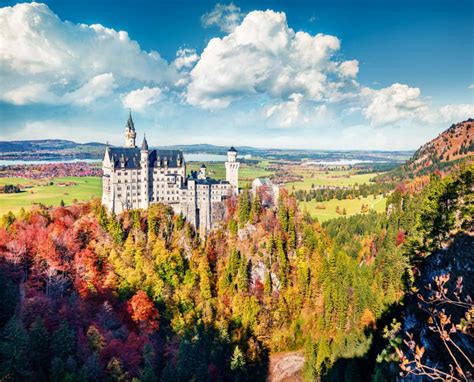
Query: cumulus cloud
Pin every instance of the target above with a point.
(349, 68)
(139, 99)
(402, 104)
(226, 17)
(392, 104)
(185, 58)
(264, 55)
(450, 114)
(296, 113)
(99, 86)
(47, 60)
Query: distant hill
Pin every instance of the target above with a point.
(43, 144)
(442, 153)
(57, 149)
(50, 149)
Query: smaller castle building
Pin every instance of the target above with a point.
(137, 177)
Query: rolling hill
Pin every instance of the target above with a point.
(450, 148)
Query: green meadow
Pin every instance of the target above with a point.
(352, 206)
(247, 172)
(40, 191)
(338, 178)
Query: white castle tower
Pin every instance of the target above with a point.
(130, 133)
(232, 170)
(144, 165)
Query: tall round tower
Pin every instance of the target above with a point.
(130, 133)
(232, 169)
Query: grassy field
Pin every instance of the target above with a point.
(247, 172)
(352, 206)
(84, 188)
(328, 178)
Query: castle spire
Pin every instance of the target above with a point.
(144, 143)
(130, 124)
(130, 133)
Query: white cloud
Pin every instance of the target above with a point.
(25, 94)
(450, 114)
(264, 55)
(226, 17)
(39, 51)
(99, 86)
(185, 58)
(471, 86)
(349, 68)
(296, 113)
(139, 99)
(392, 104)
(402, 104)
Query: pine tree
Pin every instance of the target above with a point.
(95, 339)
(92, 370)
(39, 344)
(256, 207)
(14, 352)
(115, 371)
(115, 229)
(148, 373)
(9, 296)
(58, 370)
(205, 279)
(63, 342)
(103, 217)
(244, 208)
(237, 363)
(243, 277)
(267, 285)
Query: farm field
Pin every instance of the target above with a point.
(338, 178)
(84, 188)
(247, 172)
(352, 206)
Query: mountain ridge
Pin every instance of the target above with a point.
(441, 154)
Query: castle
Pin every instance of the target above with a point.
(137, 177)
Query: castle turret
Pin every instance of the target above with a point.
(232, 169)
(144, 178)
(202, 172)
(130, 133)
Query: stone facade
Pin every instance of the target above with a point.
(137, 177)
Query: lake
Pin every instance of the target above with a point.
(191, 157)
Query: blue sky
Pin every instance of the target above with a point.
(306, 74)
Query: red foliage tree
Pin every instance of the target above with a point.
(143, 312)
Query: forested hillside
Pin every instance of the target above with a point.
(443, 153)
(87, 296)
